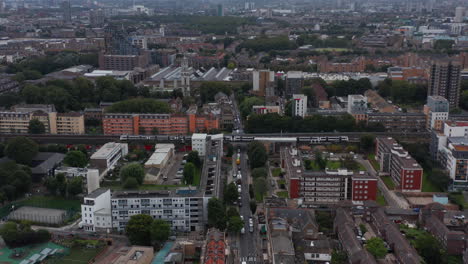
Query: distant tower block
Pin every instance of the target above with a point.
(185, 77)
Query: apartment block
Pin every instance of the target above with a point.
(17, 120)
(199, 143)
(261, 80)
(165, 124)
(399, 122)
(96, 211)
(183, 212)
(357, 106)
(327, 186)
(123, 62)
(266, 109)
(299, 105)
(450, 148)
(294, 83)
(437, 111)
(395, 161)
(445, 81)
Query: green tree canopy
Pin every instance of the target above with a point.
(257, 154)
(75, 186)
(216, 214)
(160, 231)
(21, 150)
(231, 195)
(139, 105)
(36, 127)
(367, 142)
(246, 106)
(189, 173)
(194, 158)
(76, 158)
(235, 224)
(138, 229)
(259, 172)
(260, 187)
(376, 247)
(253, 206)
(132, 170)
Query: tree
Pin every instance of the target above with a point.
(320, 161)
(231, 195)
(132, 170)
(246, 106)
(339, 257)
(367, 142)
(189, 173)
(235, 224)
(194, 158)
(130, 183)
(138, 229)
(2, 150)
(21, 150)
(160, 231)
(36, 127)
(216, 215)
(21, 180)
(257, 154)
(260, 187)
(259, 172)
(76, 158)
(376, 247)
(253, 206)
(230, 150)
(75, 186)
(139, 105)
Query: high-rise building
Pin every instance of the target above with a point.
(299, 105)
(357, 106)
(220, 10)
(66, 9)
(459, 14)
(294, 83)
(437, 111)
(96, 17)
(262, 79)
(185, 77)
(446, 81)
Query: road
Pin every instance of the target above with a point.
(250, 245)
(392, 199)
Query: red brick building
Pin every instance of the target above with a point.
(165, 124)
(328, 186)
(395, 161)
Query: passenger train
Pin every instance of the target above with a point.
(323, 139)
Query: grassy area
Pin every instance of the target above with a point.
(381, 199)
(374, 163)
(283, 194)
(51, 202)
(276, 172)
(258, 197)
(333, 165)
(361, 167)
(428, 186)
(77, 255)
(389, 182)
(281, 182)
(458, 199)
(196, 178)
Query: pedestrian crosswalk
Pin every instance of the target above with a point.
(249, 260)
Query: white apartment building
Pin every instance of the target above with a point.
(299, 105)
(199, 143)
(96, 211)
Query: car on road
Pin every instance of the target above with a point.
(243, 230)
(239, 189)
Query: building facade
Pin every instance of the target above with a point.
(294, 83)
(261, 80)
(299, 105)
(108, 155)
(395, 161)
(445, 81)
(165, 124)
(437, 111)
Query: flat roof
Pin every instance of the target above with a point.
(105, 150)
(199, 136)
